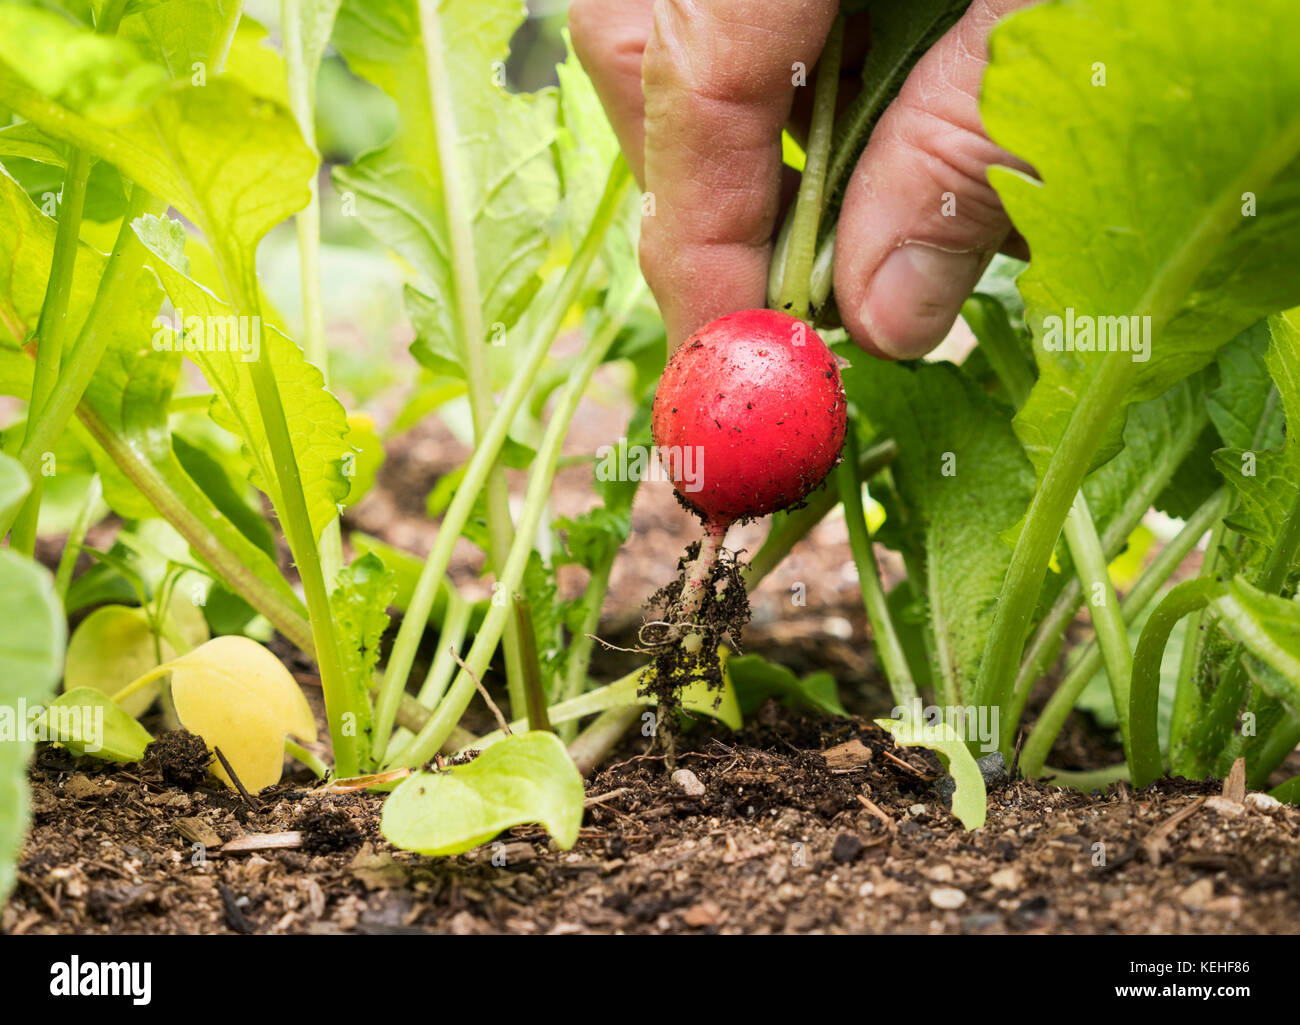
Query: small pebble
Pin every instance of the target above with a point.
(1263, 802)
(947, 898)
(846, 849)
(688, 783)
(1197, 895)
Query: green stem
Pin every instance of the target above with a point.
(580, 649)
(987, 319)
(46, 427)
(301, 87)
(217, 541)
(889, 649)
(1045, 731)
(1103, 608)
(1187, 597)
(295, 750)
(469, 317)
(1209, 733)
(534, 695)
(481, 464)
(72, 547)
(453, 705)
(796, 275)
(788, 529)
(591, 746)
(1033, 551)
(51, 327)
(1090, 780)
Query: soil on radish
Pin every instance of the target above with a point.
(722, 615)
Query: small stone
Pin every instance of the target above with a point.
(688, 783)
(867, 889)
(1230, 905)
(1005, 879)
(1266, 803)
(993, 767)
(941, 873)
(1199, 894)
(705, 913)
(916, 810)
(947, 898)
(846, 849)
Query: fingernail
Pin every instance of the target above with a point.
(915, 296)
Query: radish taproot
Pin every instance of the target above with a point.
(753, 407)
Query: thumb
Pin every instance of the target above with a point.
(920, 221)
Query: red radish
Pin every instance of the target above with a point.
(754, 401)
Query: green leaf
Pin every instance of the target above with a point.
(524, 778)
(359, 602)
(1266, 482)
(86, 722)
(965, 481)
(1269, 628)
(32, 634)
(756, 679)
(14, 485)
(510, 185)
(104, 78)
(1207, 104)
(1242, 406)
(318, 422)
(233, 163)
(969, 800)
(111, 647)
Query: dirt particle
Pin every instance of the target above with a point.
(327, 827)
(180, 757)
(846, 849)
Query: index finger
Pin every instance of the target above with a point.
(719, 77)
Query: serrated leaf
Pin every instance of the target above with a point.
(1207, 105)
(504, 140)
(1269, 628)
(318, 422)
(360, 601)
(522, 779)
(32, 634)
(1267, 482)
(969, 800)
(966, 481)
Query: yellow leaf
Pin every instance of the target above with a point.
(239, 697)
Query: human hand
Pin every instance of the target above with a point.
(698, 92)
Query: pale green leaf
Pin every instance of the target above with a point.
(32, 634)
(524, 778)
(969, 800)
(86, 722)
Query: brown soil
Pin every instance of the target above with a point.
(778, 841)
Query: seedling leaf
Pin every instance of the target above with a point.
(238, 696)
(969, 801)
(524, 778)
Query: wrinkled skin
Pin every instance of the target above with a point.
(757, 397)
